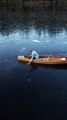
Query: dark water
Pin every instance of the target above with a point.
(32, 92)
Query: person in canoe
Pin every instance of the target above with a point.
(34, 55)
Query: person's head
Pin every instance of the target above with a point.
(30, 51)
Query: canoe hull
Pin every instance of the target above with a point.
(45, 60)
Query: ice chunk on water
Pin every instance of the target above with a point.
(22, 49)
(36, 41)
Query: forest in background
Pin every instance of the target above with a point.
(33, 4)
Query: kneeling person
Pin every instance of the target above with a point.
(34, 55)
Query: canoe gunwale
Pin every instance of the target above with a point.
(49, 60)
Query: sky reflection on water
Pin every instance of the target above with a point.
(44, 43)
(32, 92)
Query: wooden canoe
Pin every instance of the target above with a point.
(45, 60)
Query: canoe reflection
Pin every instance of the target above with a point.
(60, 67)
(35, 66)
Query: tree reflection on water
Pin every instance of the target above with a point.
(39, 20)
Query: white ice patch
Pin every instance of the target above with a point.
(36, 41)
(22, 49)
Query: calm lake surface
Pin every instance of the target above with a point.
(32, 92)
